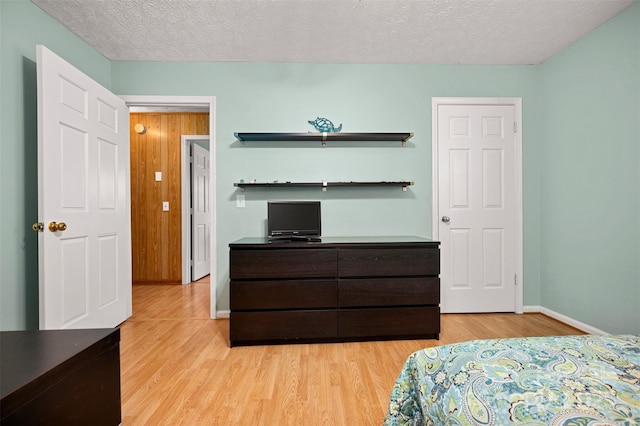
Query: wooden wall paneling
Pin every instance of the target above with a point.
(139, 198)
(188, 123)
(174, 171)
(153, 208)
(163, 248)
(146, 196)
(156, 235)
(134, 168)
(202, 124)
(143, 194)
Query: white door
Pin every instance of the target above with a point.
(477, 207)
(201, 218)
(83, 182)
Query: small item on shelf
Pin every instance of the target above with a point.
(325, 125)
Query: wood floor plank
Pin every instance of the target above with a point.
(177, 367)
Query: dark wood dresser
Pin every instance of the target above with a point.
(336, 290)
(60, 377)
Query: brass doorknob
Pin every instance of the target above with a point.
(53, 226)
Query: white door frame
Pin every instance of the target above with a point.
(186, 142)
(182, 101)
(435, 218)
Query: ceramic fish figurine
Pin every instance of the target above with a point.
(325, 125)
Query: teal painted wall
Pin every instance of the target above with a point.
(590, 179)
(264, 97)
(22, 26)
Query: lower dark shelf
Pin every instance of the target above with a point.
(403, 184)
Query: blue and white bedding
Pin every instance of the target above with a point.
(567, 380)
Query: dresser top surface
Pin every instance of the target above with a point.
(31, 355)
(338, 241)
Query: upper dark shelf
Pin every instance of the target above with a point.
(324, 137)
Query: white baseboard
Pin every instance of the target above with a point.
(565, 319)
(223, 314)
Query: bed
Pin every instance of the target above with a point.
(563, 380)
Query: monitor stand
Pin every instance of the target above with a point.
(296, 238)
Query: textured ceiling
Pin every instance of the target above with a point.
(344, 31)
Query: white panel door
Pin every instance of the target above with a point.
(201, 219)
(83, 182)
(477, 207)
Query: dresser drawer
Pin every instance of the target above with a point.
(387, 262)
(387, 322)
(282, 263)
(292, 294)
(389, 291)
(280, 325)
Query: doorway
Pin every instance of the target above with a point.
(477, 202)
(182, 103)
(196, 207)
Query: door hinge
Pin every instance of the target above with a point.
(515, 127)
(191, 159)
(515, 279)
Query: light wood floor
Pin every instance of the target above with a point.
(177, 367)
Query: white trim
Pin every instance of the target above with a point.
(224, 314)
(572, 322)
(185, 154)
(565, 319)
(210, 101)
(517, 104)
(168, 101)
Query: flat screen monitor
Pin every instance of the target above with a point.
(293, 218)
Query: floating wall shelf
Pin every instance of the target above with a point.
(324, 137)
(324, 185)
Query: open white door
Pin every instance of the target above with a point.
(83, 183)
(201, 218)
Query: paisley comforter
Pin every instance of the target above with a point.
(568, 380)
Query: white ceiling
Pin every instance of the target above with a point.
(342, 31)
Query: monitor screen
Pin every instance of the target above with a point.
(290, 218)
